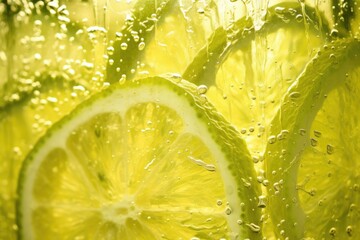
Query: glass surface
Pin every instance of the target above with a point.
(284, 73)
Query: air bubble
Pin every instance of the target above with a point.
(272, 139)
(349, 230)
(317, 133)
(332, 231)
(122, 79)
(228, 210)
(329, 149)
(110, 50)
(253, 227)
(334, 32)
(123, 46)
(201, 11)
(294, 95)
(302, 132)
(313, 142)
(261, 203)
(280, 10)
(202, 89)
(118, 36)
(219, 202)
(141, 46)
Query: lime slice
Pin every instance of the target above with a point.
(126, 52)
(289, 144)
(144, 160)
(252, 71)
(22, 122)
(329, 176)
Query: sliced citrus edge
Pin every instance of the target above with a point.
(233, 153)
(17, 123)
(290, 130)
(202, 70)
(139, 29)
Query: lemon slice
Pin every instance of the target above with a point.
(143, 160)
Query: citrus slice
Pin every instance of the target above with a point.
(290, 147)
(329, 174)
(247, 71)
(144, 160)
(22, 122)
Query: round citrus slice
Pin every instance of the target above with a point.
(148, 159)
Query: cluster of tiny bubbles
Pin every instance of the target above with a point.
(285, 13)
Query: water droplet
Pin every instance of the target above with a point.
(123, 46)
(332, 231)
(141, 46)
(202, 89)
